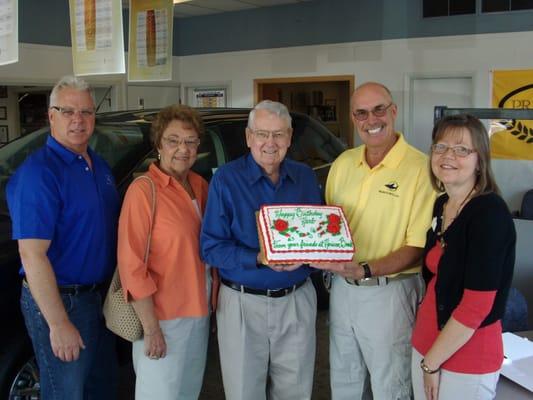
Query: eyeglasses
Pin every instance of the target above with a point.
(459, 151)
(378, 111)
(278, 136)
(68, 112)
(174, 143)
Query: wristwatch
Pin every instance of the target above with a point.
(366, 267)
(426, 369)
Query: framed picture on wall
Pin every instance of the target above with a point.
(3, 112)
(209, 97)
(4, 135)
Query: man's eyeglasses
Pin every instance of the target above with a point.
(459, 151)
(278, 136)
(378, 111)
(174, 143)
(68, 112)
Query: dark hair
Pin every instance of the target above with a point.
(485, 182)
(175, 112)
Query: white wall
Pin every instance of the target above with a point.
(388, 61)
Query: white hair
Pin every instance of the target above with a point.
(272, 107)
(70, 82)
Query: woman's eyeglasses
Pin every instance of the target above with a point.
(459, 151)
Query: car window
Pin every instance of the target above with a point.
(122, 146)
(207, 160)
(312, 143)
(232, 135)
(13, 154)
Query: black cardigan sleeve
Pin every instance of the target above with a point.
(490, 236)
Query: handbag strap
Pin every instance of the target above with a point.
(152, 216)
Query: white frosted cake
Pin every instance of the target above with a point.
(304, 233)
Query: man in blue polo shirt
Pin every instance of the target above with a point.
(64, 208)
(266, 314)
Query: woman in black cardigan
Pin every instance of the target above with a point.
(468, 267)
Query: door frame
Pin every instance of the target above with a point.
(350, 79)
(258, 89)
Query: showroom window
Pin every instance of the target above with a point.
(444, 8)
(505, 5)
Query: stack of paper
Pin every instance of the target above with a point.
(518, 363)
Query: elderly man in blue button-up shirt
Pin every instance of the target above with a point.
(266, 314)
(64, 208)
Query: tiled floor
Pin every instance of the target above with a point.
(212, 388)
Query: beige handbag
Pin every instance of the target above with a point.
(120, 317)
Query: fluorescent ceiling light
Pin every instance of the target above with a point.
(180, 1)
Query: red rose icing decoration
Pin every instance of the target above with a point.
(333, 228)
(281, 225)
(334, 219)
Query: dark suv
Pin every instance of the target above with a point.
(122, 139)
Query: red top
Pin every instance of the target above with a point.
(483, 353)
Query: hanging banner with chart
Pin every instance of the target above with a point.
(97, 37)
(9, 32)
(150, 40)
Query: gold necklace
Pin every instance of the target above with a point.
(443, 216)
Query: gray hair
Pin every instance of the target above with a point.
(70, 82)
(272, 107)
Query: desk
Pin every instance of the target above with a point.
(507, 389)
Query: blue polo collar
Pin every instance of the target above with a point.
(67, 155)
(255, 172)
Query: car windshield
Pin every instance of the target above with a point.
(122, 146)
(311, 142)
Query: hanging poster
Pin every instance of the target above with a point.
(97, 37)
(150, 40)
(211, 98)
(9, 38)
(512, 139)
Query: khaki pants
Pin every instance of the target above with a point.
(370, 338)
(454, 385)
(180, 374)
(267, 345)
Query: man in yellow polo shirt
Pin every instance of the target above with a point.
(384, 189)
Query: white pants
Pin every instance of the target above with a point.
(180, 373)
(454, 385)
(267, 345)
(370, 338)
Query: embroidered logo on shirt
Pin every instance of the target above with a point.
(109, 179)
(390, 189)
(392, 186)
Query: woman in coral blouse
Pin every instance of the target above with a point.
(468, 267)
(170, 292)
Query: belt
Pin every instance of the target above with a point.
(262, 292)
(75, 289)
(379, 280)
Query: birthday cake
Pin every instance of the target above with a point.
(304, 234)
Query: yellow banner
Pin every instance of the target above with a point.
(150, 40)
(513, 139)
